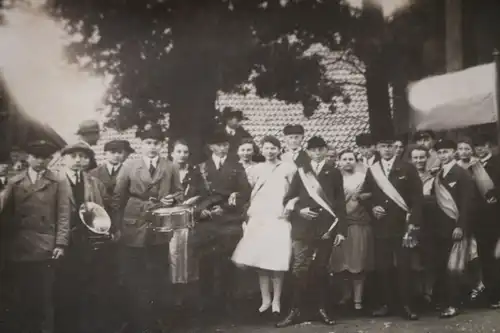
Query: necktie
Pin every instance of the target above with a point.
(220, 164)
(77, 177)
(152, 168)
(38, 176)
(114, 170)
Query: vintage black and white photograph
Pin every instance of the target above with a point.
(249, 166)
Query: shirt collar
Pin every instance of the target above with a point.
(110, 166)
(217, 160)
(154, 160)
(230, 130)
(34, 175)
(317, 165)
(388, 163)
(447, 167)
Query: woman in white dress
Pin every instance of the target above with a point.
(266, 244)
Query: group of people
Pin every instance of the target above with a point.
(428, 209)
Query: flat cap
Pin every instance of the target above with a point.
(229, 113)
(119, 145)
(79, 146)
(445, 144)
(293, 130)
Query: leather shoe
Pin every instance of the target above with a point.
(409, 314)
(383, 311)
(449, 312)
(292, 319)
(325, 318)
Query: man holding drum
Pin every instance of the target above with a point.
(141, 186)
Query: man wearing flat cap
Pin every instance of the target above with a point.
(315, 204)
(294, 136)
(454, 191)
(486, 174)
(142, 185)
(229, 191)
(35, 220)
(396, 203)
(80, 286)
(89, 131)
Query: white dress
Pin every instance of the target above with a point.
(267, 242)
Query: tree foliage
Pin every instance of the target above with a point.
(172, 56)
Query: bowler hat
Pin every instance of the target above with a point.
(88, 126)
(293, 130)
(151, 131)
(229, 113)
(316, 142)
(119, 145)
(40, 148)
(386, 137)
(79, 146)
(445, 144)
(218, 137)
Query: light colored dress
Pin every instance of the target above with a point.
(355, 254)
(267, 242)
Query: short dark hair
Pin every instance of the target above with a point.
(414, 147)
(182, 142)
(272, 140)
(348, 151)
(245, 141)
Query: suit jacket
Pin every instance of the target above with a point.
(462, 188)
(230, 178)
(35, 217)
(94, 191)
(130, 202)
(101, 173)
(332, 182)
(404, 177)
(193, 185)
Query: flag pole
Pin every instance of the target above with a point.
(496, 57)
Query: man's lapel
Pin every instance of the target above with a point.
(161, 166)
(395, 173)
(103, 173)
(41, 184)
(142, 171)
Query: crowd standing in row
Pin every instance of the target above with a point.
(398, 211)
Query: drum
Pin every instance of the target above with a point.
(167, 219)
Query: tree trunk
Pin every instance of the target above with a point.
(377, 91)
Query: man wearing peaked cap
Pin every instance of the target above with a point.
(294, 136)
(396, 203)
(35, 204)
(428, 140)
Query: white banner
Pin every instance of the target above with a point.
(454, 100)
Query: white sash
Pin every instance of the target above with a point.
(445, 200)
(386, 186)
(482, 178)
(315, 191)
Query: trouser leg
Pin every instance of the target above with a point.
(405, 276)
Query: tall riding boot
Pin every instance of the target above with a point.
(293, 316)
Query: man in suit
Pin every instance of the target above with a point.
(294, 136)
(316, 205)
(396, 202)
(142, 185)
(81, 291)
(222, 211)
(36, 219)
(454, 191)
(486, 228)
